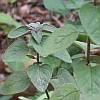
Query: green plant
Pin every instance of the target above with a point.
(61, 59)
(7, 23)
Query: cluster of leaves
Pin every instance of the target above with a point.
(61, 59)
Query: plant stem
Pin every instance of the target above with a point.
(47, 94)
(88, 50)
(38, 59)
(88, 44)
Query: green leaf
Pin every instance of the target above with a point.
(56, 6)
(37, 35)
(75, 4)
(49, 28)
(63, 6)
(33, 45)
(52, 61)
(60, 39)
(16, 83)
(90, 18)
(64, 76)
(36, 31)
(40, 75)
(55, 83)
(6, 19)
(18, 32)
(82, 36)
(16, 66)
(15, 55)
(6, 28)
(63, 55)
(87, 79)
(34, 26)
(66, 92)
(18, 49)
(74, 49)
(66, 66)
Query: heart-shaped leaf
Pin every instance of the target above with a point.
(40, 76)
(16, 50)
(59, 40)
(15, 55)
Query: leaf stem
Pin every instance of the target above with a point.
(47, 94)
(38, 58)
(88, 50)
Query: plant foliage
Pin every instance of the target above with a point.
(63, 55)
